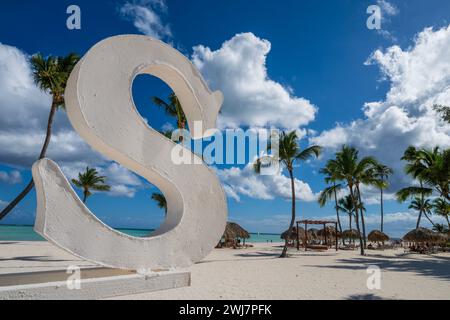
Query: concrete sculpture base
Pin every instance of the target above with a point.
(97, 283)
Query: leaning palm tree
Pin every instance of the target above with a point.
(160, 200)
(442, 208)
(289, 153)
(331, 191)
(90, 180)
(172, 108)
(51, 75)
(382, 172)
(423, 206)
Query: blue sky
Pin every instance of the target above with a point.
(369, 88)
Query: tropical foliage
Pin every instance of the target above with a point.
(160, 201)
(50, 74)
(90, 180)
(289, 154)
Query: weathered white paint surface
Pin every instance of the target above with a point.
(97, 288)
(100, 107)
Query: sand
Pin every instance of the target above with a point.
(257, 273)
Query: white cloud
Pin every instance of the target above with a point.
(145, 15)
(12, 177)
(419, 77)
(23, 118)
(252, 99)
(245, 182)
(167, 127)
(387, 8)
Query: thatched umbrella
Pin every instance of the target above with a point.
(350, 234)
(313, 234)
(234, 231)
(377, 236)
(423, 235)
(329, 231)
(293, 234)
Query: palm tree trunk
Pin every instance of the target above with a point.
(350, 220)
(337, 214)
(361, 243)
(418, 219)
(84, 196)
(448, 221)
(30, 184)
(337, 211)
(362, 216)
(284, 252)
(420, 211)
(428, 218)
(382, 210)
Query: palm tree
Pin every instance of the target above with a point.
(90, 180)
(160, 200)
(289, 153)
(413, 168)
(382, 172)
(442, 208)
(346, 205)
(51, 75)
(172, 108)
(330, 192)
(444, 111)
(424, 207)
(352, 171)
(441, 228)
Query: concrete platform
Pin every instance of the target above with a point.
(95, 283)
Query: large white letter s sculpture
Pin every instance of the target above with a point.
(100, 107)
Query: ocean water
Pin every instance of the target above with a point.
(26, 233)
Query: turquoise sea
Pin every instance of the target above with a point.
(26, 233)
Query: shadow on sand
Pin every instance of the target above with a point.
(436, 267)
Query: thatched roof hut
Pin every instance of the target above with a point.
(424, 235)
(293, 234)
(234, 231)
(377, 236)
(350, 234)
(329, 231)
(313, 234)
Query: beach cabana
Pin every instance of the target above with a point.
(328, 232)
(377, 236)
(313, 234)
(292, 236)
(233, 232)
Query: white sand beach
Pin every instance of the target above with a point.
(258, 273)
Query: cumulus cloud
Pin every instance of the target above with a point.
(245, 182)
(12, 177)
(238, 69)
(23, 118)
(146, 17)
(419, 77)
